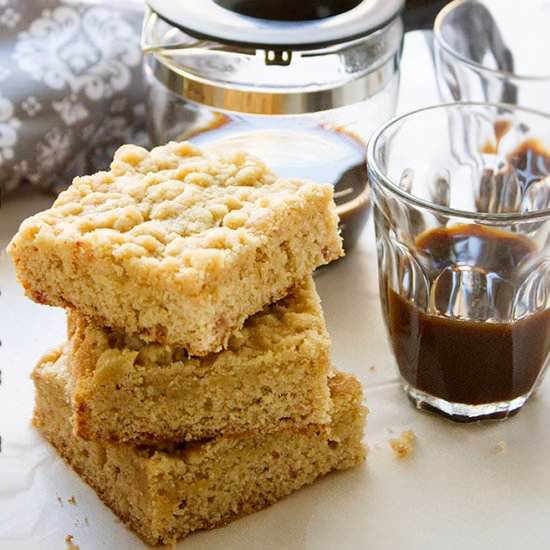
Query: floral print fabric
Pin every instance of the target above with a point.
(70, 88)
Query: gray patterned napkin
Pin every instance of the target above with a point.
(71, 88)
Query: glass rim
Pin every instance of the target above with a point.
(377, 177)
(468, 61)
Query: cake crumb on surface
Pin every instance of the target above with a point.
(60, 500)
(404, 445)
(87, 521)
(501, 446)
(72, 500)
(372, 368)
(70, 545)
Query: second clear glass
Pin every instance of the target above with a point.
(493, 50)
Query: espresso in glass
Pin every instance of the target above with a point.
(462, 360)
(463, 232)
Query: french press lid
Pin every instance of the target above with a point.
(274, 57)
(292, 24)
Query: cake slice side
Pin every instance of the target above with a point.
(274, 371)
(107, 470)
(176, 246)
(166, 492)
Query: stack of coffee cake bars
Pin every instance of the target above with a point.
(196, 384)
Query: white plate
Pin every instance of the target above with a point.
(467, 487)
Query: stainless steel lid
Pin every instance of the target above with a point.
(292, 24)
(223, 59)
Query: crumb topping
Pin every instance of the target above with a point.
(172, 206)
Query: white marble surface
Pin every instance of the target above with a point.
(475, 487)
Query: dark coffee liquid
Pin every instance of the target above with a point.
(463, 361)
(530, 162)
(493, 250)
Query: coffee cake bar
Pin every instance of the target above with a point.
(166, 492)
(274, 370)
(175, 245)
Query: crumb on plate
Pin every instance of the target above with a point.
(404, 445)
(70, 545)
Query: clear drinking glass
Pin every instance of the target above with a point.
(462, 216)
(494, 51)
